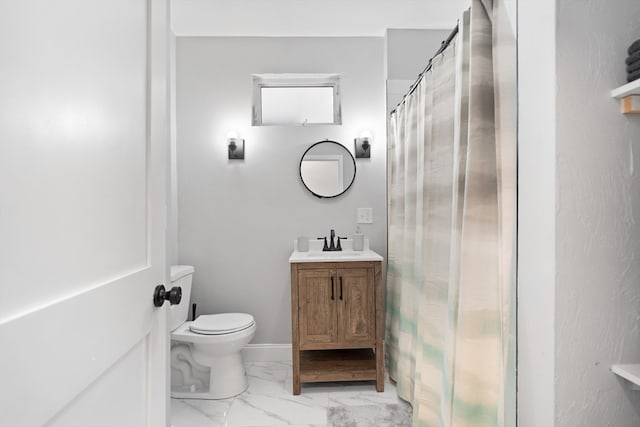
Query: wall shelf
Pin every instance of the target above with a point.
(629, 96)
(630, 373)
(632, 88)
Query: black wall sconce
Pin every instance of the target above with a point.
(236, 148)
(363, 147)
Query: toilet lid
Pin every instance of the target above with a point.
(225, 323)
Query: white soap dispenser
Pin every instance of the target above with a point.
(358, 240)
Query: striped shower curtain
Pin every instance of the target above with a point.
(451, 274)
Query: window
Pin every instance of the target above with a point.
(296, 99)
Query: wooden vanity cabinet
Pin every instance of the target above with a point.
(336, 311)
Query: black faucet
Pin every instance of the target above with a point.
(325, 247)
(332, 246)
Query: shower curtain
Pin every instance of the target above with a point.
(451, 269)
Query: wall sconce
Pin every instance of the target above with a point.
(235, 146)
(363, 145)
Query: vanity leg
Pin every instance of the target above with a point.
(296, 386)
(295, 343)
(296, 372)
(379, 328)
(379, 370)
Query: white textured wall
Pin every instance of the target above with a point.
(536, 212)
(310, 17)
(598, 215)
(237, 219)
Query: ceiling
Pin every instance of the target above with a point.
(306, 18)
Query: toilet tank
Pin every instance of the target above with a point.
(181, 275)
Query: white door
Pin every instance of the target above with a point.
(83, 160)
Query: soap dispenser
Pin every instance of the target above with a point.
(358, 240)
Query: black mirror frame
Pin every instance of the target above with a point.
(352, 179)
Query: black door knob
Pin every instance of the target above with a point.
(160, 295)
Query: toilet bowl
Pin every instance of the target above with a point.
(206, 358)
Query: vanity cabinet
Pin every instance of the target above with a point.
(336, 310)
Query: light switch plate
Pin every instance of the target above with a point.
(365, 216)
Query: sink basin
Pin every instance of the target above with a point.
(330, 255)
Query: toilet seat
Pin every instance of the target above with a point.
(221, 324)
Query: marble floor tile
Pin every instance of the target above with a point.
(313, 388)
(267, 378)
(284, 409)
(199, 413)
(269, 402)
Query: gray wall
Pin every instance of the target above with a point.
(407, 53)
(598, 216)
(237, 219)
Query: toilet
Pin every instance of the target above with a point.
(206, 358)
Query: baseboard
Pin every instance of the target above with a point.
(267, 352)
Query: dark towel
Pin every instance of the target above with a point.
(634, 66)
(635, 46)
(633, 58)
(633, 76)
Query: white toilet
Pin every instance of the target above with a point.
(206, 359)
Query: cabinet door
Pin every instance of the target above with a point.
(317, 316)
(356, 307)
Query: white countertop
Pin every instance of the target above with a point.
(315, 253)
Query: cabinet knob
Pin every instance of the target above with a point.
(340, 288)
(332, 289)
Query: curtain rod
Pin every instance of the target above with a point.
(445, 44)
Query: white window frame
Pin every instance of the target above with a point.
(295, 80)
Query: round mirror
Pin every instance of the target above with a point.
(327, 169)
